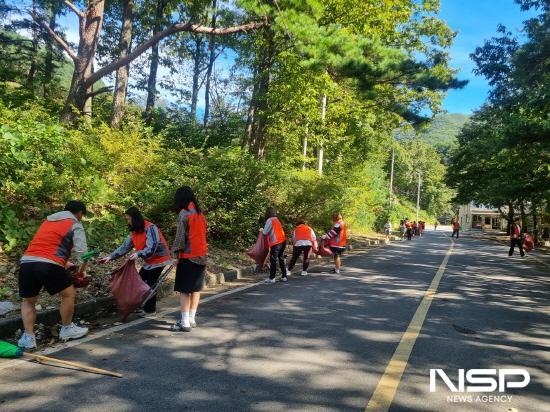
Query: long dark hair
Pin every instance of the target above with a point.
(183, 196)
(138, 223)
(269, 212)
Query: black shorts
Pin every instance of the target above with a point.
(189, 277)
(33, 276)
(337, 251)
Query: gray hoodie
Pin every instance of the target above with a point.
(74, 241)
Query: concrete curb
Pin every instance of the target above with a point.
(51, 316)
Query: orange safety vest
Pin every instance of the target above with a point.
(139, 239)
(341, 239)
(52, 241)
(277, 234)
(196, 246)
(303, 232)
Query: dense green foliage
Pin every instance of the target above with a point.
(377, 71)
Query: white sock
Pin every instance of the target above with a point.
(192, 314)
(185, 319)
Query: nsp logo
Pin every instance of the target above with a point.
(482, 380)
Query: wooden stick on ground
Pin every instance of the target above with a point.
(42, 358)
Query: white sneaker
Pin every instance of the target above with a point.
(285, 279)
(144, 314)
(304, 273)
(72, 332)
(268, 280)
(140, 312)
(288, 273)
(27, 341)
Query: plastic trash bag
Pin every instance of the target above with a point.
(260, 250)
(324, 248)
(527, 242)
(128, 289)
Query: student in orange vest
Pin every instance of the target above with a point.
(409, 229)
(338, 239)
(304, 240)
(516, 238)
(190, 250)
(456, 228)
(43, 266)
(276, 240)
(149, 244)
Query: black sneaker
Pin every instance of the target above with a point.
(178, 327)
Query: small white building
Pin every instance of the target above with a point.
(472, 216)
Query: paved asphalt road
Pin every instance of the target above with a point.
(321, 342)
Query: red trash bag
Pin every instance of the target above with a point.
(324, 248)
(527, 242)
(260, 250)
(128, 288)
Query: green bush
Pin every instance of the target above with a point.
(44, 163)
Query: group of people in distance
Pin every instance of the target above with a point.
(45, 262)
(409, 229)
(304, 242)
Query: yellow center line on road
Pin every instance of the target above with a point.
(384, 393)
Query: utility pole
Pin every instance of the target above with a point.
(323, 117)
(418, 198)
(391, 173)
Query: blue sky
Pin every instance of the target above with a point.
(475, 21)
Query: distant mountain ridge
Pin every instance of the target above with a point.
(441, 133)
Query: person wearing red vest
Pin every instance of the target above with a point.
(276, 241)
(43, 266)
(338, 239)
(304, 241)
(456, 228)
(190, 250)
(516, 238)
(409, 229)
(150, 246)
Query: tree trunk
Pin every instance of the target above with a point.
(211, 59)
(197, 59)
(259, 129)
(510, 218)
(153, 69)
(124, 45)
(34, 52)
(88, 101)
(304, 147)
(48, 62)
(258, 140)
(535, 223)
(250, 119)
(90, 28)
(523, 217)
